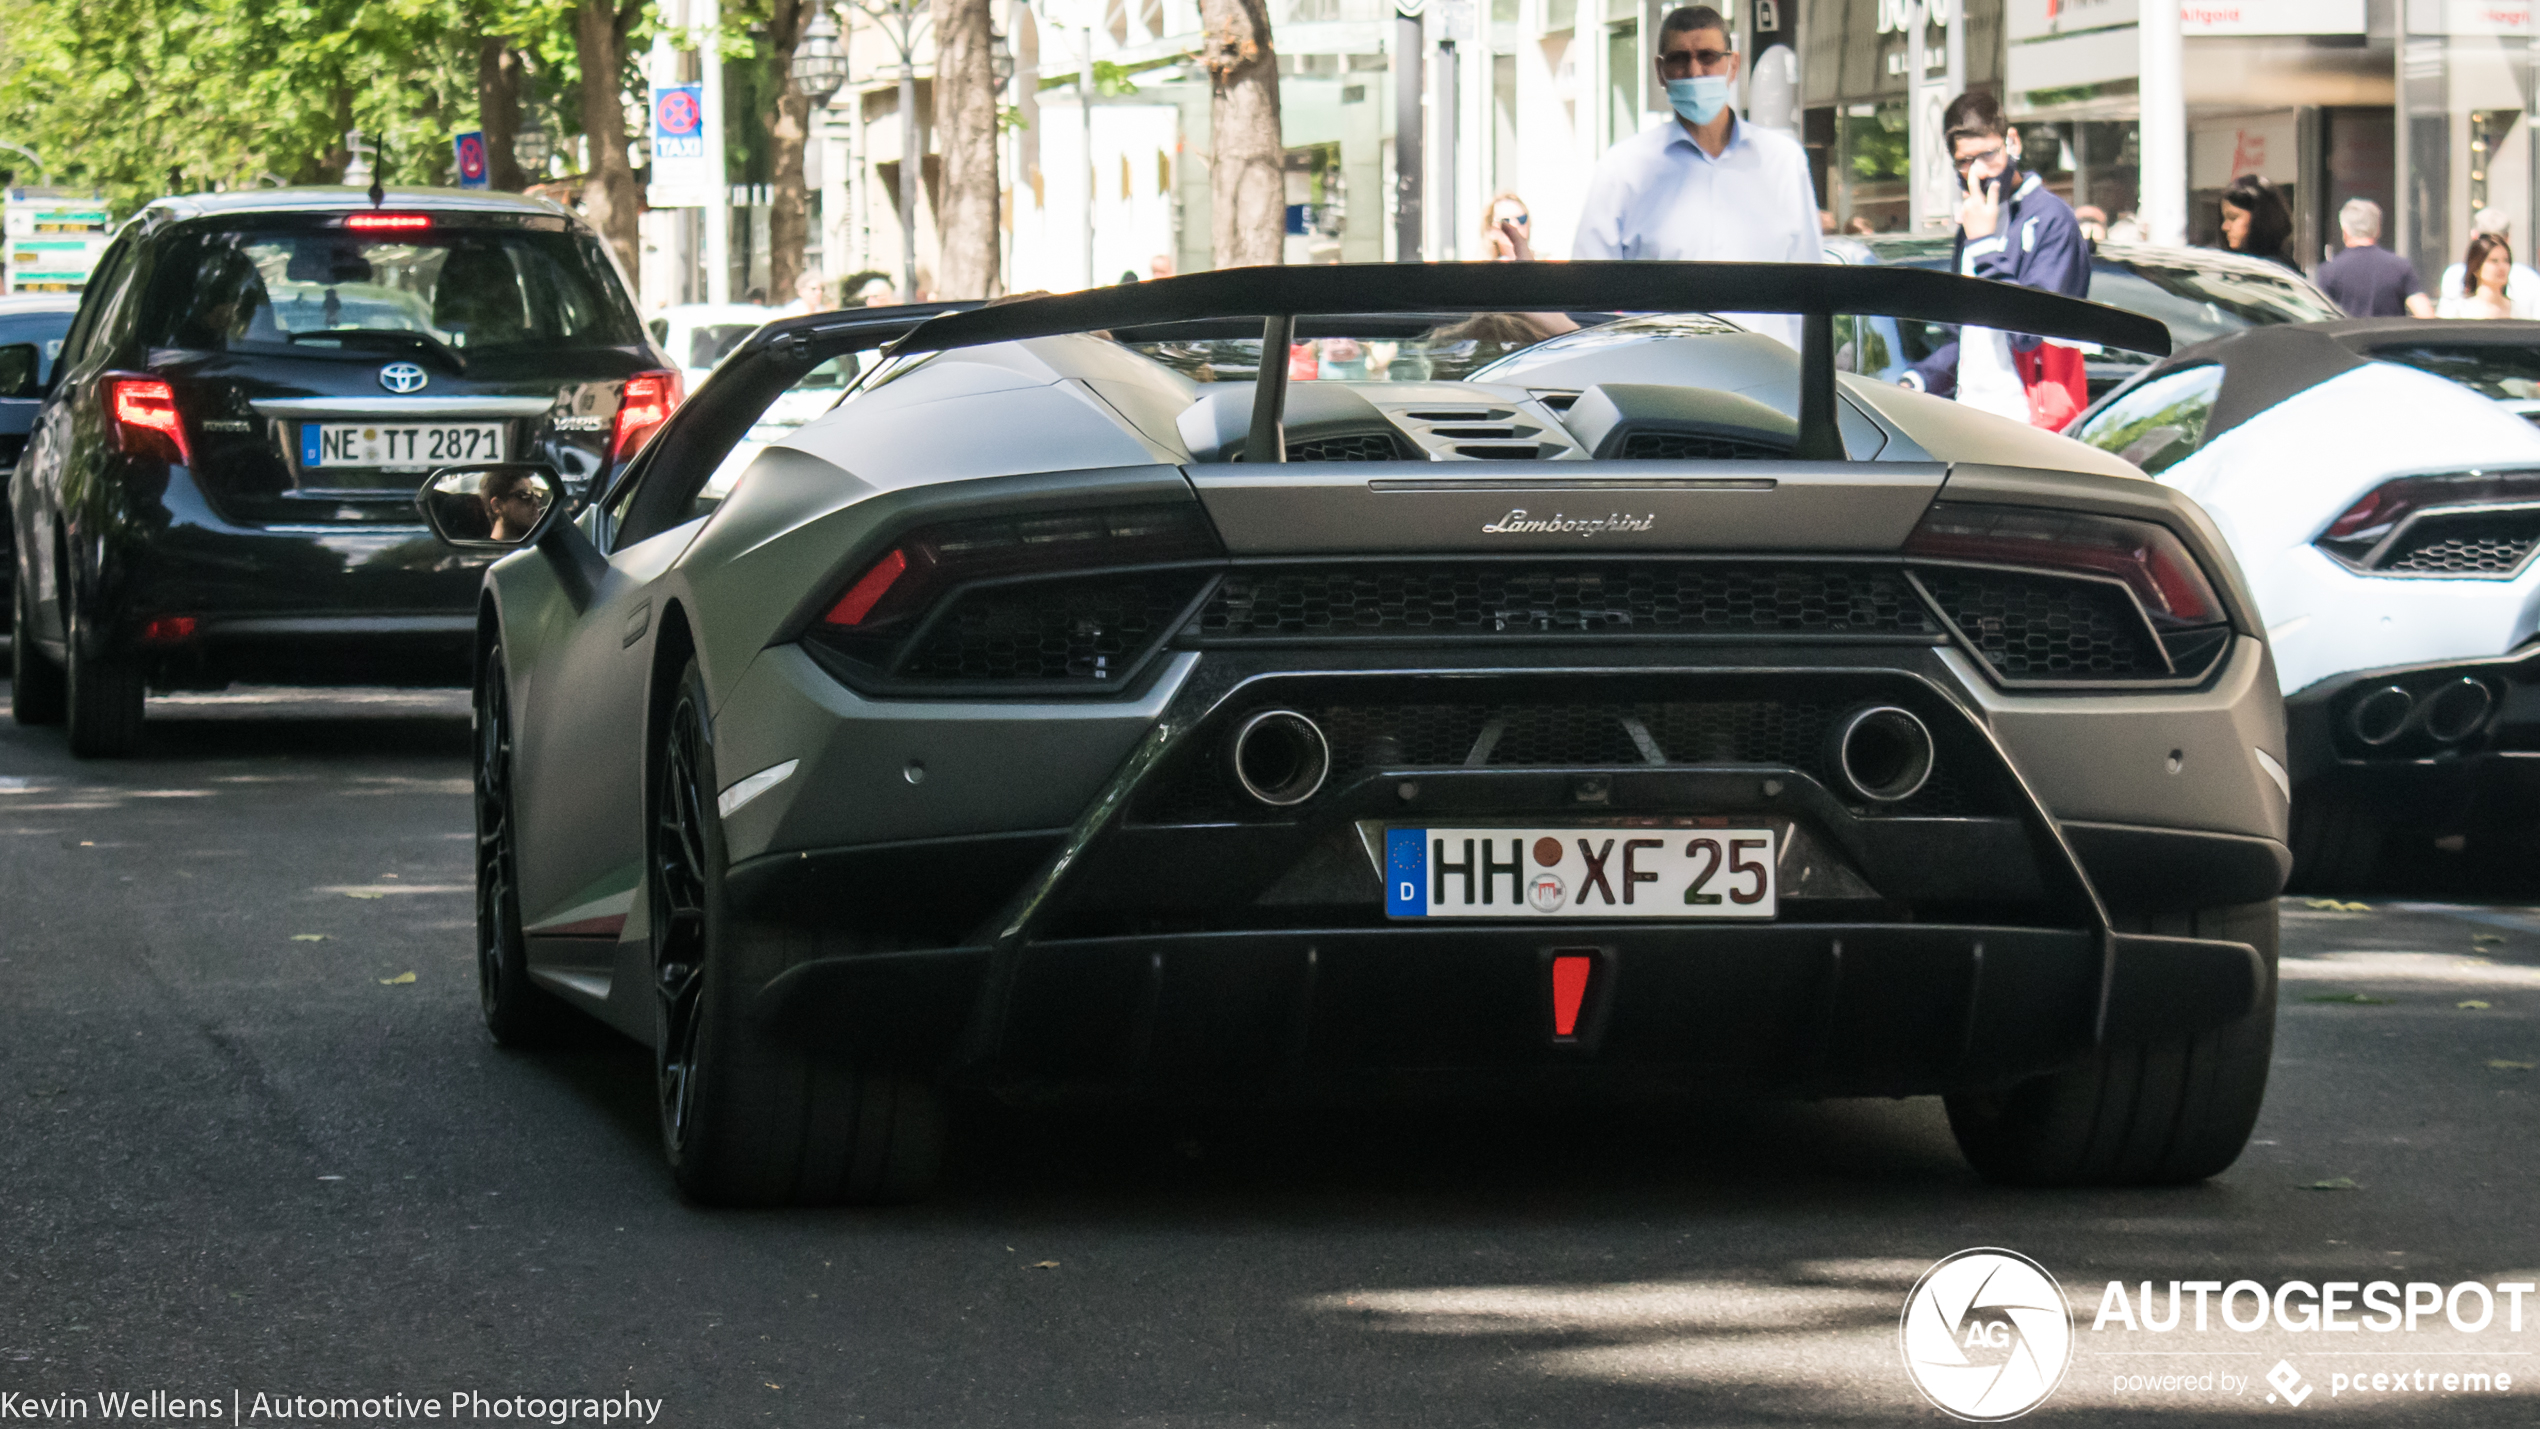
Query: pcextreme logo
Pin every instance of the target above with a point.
(1986, 1335)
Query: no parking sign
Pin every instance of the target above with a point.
(469, 148)
(681, 175)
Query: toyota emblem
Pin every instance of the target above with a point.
(402, 377)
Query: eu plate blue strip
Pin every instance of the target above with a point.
(1407, 872)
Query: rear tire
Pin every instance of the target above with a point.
(518, 1012)
(2159, 1115)
(36, 692)
(745, 1121)
(103, 707)
(2336, 842)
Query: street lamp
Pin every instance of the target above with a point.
(531, 148)
(1000, 60)
(820, 62)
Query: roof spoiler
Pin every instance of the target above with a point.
(1815, 292)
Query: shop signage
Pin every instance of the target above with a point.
(2264, 145)
(2042, 19)
(2272, 17)
(2470, 17)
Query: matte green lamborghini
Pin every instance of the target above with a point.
(1489, 680)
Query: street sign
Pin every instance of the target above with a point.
(469, 149)
(682, 176)
(52, 240)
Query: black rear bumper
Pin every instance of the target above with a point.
(1871, 1009)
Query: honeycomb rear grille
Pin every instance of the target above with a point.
(1365, 446)
(2030, 627)
(1088, 631)
(2466, 543)
(1652, 598)
(1695, 446)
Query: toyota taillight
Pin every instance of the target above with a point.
(646, 402)
(2149, 558)
(142, 411)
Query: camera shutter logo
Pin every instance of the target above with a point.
(1986, 1335)
(402, 377)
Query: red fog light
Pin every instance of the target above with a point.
(1569, 991)
(167, 629)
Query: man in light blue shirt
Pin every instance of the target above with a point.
(1706, 187)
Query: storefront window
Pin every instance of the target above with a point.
(1873, 157)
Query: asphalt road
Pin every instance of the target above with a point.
(252, 1140)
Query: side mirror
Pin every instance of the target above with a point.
(492, 508)
(19, 364)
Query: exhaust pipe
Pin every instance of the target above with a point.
(1883, 753)
(1280, 757)
(2458, 710)
(2381, 716)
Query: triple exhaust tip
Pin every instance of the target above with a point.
(1281, 757)
(2448, 713)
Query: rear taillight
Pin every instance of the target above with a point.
(2150, 559)
(142, 411)
(2471, 523)
(1049, 599)
(646, 402)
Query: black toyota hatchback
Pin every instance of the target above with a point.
(220, 483)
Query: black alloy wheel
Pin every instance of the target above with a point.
(104, 688)
(36, 692)
(518, 1012)
(747, 1119)
(679, 891)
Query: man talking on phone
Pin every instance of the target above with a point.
(2012, 230)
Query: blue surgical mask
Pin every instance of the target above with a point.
(1701, 98)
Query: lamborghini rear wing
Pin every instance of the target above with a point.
(1814, 292)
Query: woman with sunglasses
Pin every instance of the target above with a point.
(1506, 228)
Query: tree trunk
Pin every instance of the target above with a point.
(788, 126)
(1247, 193)
(966, 128)
(498, 76)
(609, 202)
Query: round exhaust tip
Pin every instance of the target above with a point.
(2382, 715)
(1281, 757)
(1884, 753)
(2458, 710)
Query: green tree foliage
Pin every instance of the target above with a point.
(132, 95)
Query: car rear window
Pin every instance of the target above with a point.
(44, 329)
(2200, 303)
(467, 291)
(2506, 374)
(711, 343)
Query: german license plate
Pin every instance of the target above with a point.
(415, 444)
(1579, 873)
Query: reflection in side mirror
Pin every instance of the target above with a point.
(491, 508)
(19, 363)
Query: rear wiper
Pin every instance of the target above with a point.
(393, 337)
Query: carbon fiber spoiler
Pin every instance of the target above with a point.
(1815, 292)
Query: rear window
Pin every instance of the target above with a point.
(44, 329)
(2200, 303)
(710, 344)
(2506, 374)
(465, 291)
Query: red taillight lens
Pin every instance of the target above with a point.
(888, 597)
(167, 630)
(857, 603)
(389, 222)
(647, 401)
(145, 418)
(2149, 558)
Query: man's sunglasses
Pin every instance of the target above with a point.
(1687, 61)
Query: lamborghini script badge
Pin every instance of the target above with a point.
(1519, 523)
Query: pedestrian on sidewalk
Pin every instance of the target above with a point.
(2366, 279)
(2256, 222)
(2012, 230)
(1707, 187)
(2480, 292)
(2522, 288)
